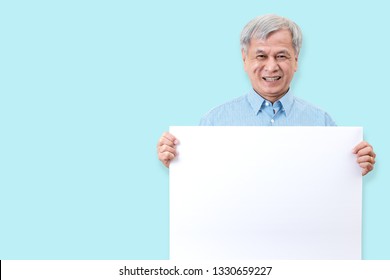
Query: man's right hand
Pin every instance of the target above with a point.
(166, 148)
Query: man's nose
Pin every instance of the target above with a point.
(271, 65)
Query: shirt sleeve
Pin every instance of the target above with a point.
(205, 121)
(329, 121)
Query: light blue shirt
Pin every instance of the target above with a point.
(253, 110)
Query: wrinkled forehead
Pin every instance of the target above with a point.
(282, 34)
(280, 38)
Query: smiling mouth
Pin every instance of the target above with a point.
(272, 79)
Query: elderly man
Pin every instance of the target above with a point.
(270, 47)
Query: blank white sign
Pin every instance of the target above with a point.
(265, 193)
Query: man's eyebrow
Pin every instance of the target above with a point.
(286, 52)
(283, 52)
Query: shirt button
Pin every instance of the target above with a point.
(266, 104)
(272, 120)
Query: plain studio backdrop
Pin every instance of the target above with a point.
(87, 88)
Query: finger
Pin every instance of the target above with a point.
(170, 137)
(360, 146)
(166, 163)
(167, 141)
(366, 151)
(164, 141)
(367, 169)
(366, 158)
(166, 156)
(365, 164)
(166, 148)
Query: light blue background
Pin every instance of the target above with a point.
(87, 87)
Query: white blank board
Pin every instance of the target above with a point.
(265, 193)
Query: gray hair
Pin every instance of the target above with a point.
(261, 27)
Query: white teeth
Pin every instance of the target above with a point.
(271, 79)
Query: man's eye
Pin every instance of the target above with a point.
(281, 57)
(261, 56)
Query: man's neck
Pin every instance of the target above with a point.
(272, 99)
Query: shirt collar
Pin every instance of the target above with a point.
(287, 102)
(257, 102)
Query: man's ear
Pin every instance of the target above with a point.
(296, 63)
(244, 57)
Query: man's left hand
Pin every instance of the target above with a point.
(365, 156)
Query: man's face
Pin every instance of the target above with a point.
(271, 64)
